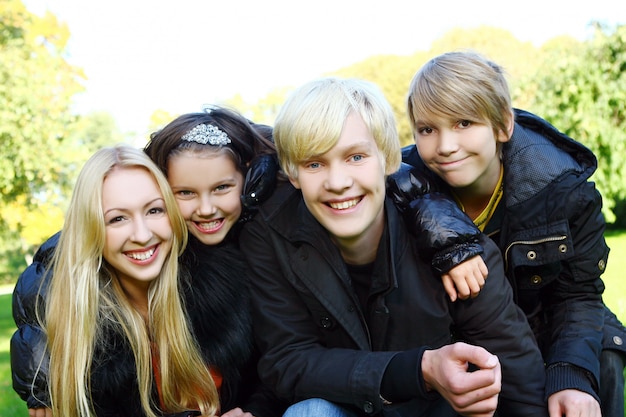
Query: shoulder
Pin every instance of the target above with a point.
(281, 200)
(32, 282)
(537, 137)
(283, 213)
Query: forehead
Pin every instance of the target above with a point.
(126, 187)
(201, 167)
(354, 134)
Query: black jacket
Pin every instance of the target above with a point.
(217, 299)
(317, 342)
(550, 230)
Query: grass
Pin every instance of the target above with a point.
(12, 406)
(615, 292)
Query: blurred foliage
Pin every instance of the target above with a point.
(577, 86)
(581, 89)
(43, 142)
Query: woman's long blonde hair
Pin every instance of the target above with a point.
(85, 296)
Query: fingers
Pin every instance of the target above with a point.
(476, 355)
(448, 285)
(470, 393)
(40, 412)
(571, 402)
(468, 278)
(237, 412)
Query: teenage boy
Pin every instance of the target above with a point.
(526, 185)
(350, 320)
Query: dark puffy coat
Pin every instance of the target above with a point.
(315, 339)
(550, 230)
(217, 298)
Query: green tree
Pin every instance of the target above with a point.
(581, 89)
(36, 88)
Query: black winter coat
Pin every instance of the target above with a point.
(550, 230)
(316, 341)
(217, 299)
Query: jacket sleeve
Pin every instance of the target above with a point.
(576, 309)
(443, 232)
(492, 320)
(29, 357)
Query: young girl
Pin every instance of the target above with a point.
(219, 167)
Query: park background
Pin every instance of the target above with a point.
(78, 75)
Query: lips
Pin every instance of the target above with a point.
(450, 164)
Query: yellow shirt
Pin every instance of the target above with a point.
(483, 218)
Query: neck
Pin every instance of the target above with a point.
(475, 198)
(359, 254)
(361, 249)
(138, 298)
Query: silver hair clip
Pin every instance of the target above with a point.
(207, 134)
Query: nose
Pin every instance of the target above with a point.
(338, 178)
(142, 233)
(206, 207)
(448, 142)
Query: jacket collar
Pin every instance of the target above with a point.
(537, 154)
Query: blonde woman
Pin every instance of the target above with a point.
(119, 341)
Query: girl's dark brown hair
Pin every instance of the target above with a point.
(248, 140)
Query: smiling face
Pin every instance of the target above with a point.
(137, 229)
(463, 153)
(344, 189)
(208, 188)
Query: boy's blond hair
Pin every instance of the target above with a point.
(463, 85)
(311, 120)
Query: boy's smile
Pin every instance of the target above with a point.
(344, 189)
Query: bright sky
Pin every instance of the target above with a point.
(145, 55)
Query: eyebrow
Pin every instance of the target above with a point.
(149, 203)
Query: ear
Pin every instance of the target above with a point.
(294, 182)
(510, 125)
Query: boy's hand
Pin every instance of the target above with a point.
(469, 393)
(466, 279)
(571, 402)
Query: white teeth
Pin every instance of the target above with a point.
(141, 256)
(209, 225)
(344, 204)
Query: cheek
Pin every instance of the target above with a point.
(232, 205)
(111, 243)
(423, 148)
(186, 207)
(163, 229)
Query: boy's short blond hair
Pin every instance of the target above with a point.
(311, 119)
(463, 85)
